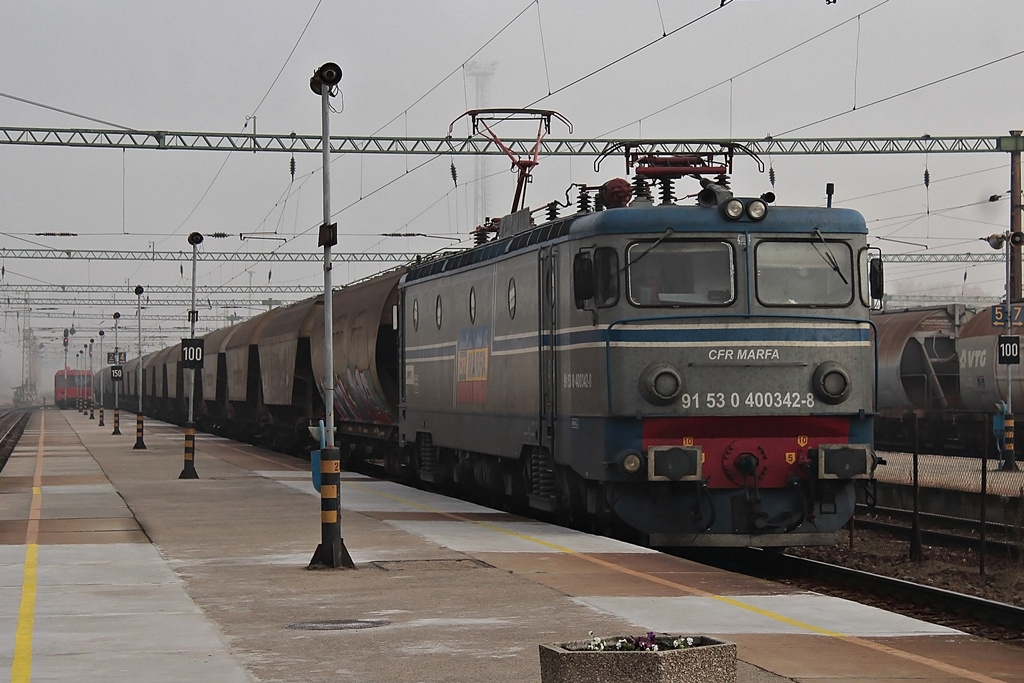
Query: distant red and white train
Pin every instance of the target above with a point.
(70, 385)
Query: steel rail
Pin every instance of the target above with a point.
(969, 606)
(774, 566)
(946, 537)
(12, 424)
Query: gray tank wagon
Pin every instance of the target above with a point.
(941, 364)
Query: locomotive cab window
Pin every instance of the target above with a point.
(804, 273)
(681, 274)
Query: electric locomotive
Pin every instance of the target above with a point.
(71, 386)
(688, 373)
(701, 375)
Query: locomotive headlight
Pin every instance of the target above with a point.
(757, 209)
(632, 462)
(831, 382)
(660, 383)
(733, 209)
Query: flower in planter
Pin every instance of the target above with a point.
(651, 642)
(650, 658)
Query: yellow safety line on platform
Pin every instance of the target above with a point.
(21, 667)
(878, 647)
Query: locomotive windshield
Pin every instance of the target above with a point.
(681, 274)
(804, 273)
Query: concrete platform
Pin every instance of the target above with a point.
(111, 568)
(951, 486)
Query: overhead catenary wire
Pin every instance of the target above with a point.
(287, 59)
(636, 51)
(1001, 167)
(404, 113)
(908, 91)
(67, 111)
(746, 71)
(364, 196)
(252, 117)
(297, 229)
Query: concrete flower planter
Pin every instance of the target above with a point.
(707, 661)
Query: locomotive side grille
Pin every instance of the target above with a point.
(492, 250)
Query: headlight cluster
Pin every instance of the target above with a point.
(754, 209)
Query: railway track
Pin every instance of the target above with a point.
(942, 530)
(971, 614)
(12, 424)
(967, 613)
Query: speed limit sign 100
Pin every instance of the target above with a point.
(1009, 349)
(192, 353)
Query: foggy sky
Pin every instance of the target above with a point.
(202, 66)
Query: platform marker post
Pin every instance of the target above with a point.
(1008, 344)
(117, 358)
(65, 372)
(1012, 239)
(102, 397)
(80, 389)
(331, 553)
(92, 399)
(188, 471)
(139, 443)
(1009, 459)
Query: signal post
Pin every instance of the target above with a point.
(139, 443)
(1008, 344)
(331, 553)
(100, 423)
(92, 386)
(191, 360)
(116, 377)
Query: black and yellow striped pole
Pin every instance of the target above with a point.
(115, 379)
(102, 359)
(189, 470)
(139, 443)
(92, 385)
(1009, 455)
(86, 382)
(191, 360)
(331, 553)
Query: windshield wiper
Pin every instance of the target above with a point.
(828, 257)
(668, 233)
